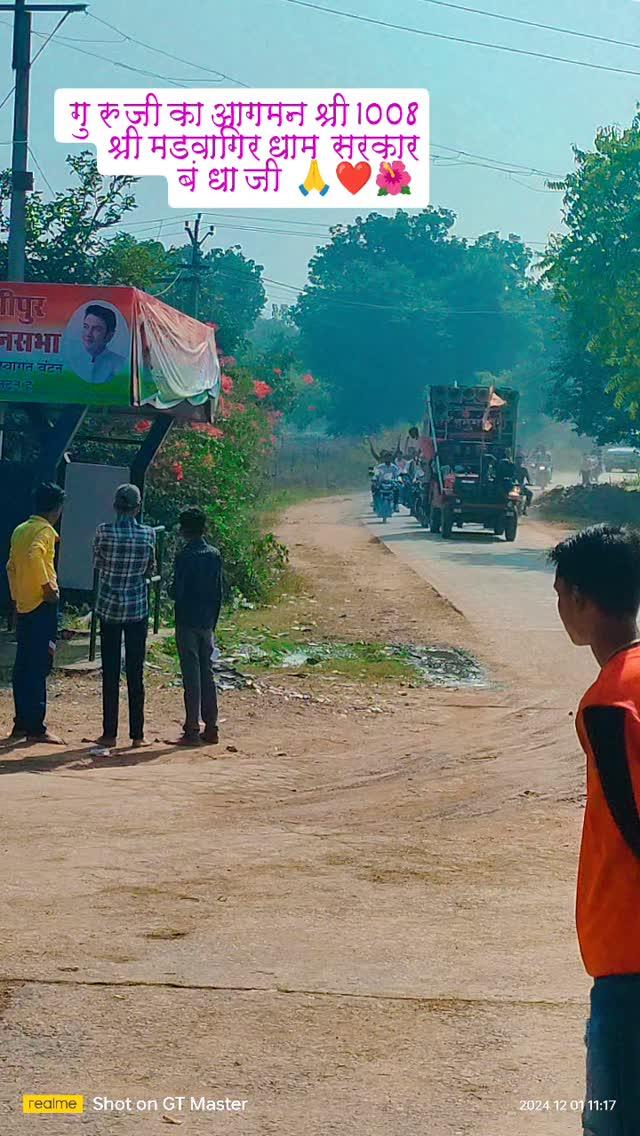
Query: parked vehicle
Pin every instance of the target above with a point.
(473, 430)
(626, 459)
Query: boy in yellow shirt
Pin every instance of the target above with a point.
(34, 589)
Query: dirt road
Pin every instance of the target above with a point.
(357, 919)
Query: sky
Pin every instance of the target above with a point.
(509, 108)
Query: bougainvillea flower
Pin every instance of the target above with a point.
(239, 407)
(277, 370)
(274, 417)
(226, 382)
(227, 360)
(261, 390)
(142, 426)
(215, 432)
(224, 408)
(308, 379)
(177, 470)
(393, 177)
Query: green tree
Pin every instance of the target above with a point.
(395, 303)
(231, 291)
(64, 236)
(594, 269)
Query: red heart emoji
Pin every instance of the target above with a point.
(353, 177)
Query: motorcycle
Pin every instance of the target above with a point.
(406, 488)
(542, 475)
(383, 501)
(590, 472)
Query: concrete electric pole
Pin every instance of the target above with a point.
(196, 262)
(21, 179)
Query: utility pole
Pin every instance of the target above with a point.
(197, 242)
(21, 178)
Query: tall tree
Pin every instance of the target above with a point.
(395, 303)
(595, 272)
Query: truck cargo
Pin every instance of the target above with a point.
(472, 433)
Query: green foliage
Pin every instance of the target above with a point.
(221, 470)
(231, 292)
(397, 302)
(64, 235)
(595, 273)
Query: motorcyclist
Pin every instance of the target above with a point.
(505, 471)
(387, 470)
(524, 480)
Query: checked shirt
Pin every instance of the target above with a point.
(124, 554)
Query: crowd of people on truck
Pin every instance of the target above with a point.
(125, 560)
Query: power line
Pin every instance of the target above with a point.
(40, 169)
(116, 63)
(38, 53)
(532, 23)
(167, 54)
(463, 39)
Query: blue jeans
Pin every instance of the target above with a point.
(36, 634)
(613, 1058)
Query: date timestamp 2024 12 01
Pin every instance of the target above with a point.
(567, 1105)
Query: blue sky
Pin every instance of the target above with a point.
(507, 107)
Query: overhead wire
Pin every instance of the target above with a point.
(167, 54)
(531, 23)
(462, 39)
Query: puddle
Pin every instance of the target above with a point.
(444, 666)
(432, 666)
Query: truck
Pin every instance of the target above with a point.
(469, 431)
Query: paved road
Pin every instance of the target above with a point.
(505, 590)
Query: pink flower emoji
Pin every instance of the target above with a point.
(393, 178)
(261, 390)
(226, 382)
(308, 380)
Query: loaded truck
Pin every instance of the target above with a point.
(471, 433)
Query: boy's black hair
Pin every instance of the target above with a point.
(603, 563)
(193, 522)
(47, 498)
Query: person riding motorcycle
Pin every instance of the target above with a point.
(523, 479)
(387, 470)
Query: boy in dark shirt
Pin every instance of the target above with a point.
(197, 591)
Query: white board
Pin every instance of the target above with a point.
(90, 491)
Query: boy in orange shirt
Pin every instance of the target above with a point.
(598, 587)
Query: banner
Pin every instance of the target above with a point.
(108, 347)
(65, 343)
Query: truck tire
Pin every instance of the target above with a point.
(510, 528)
(447, 524)
(435, 521)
